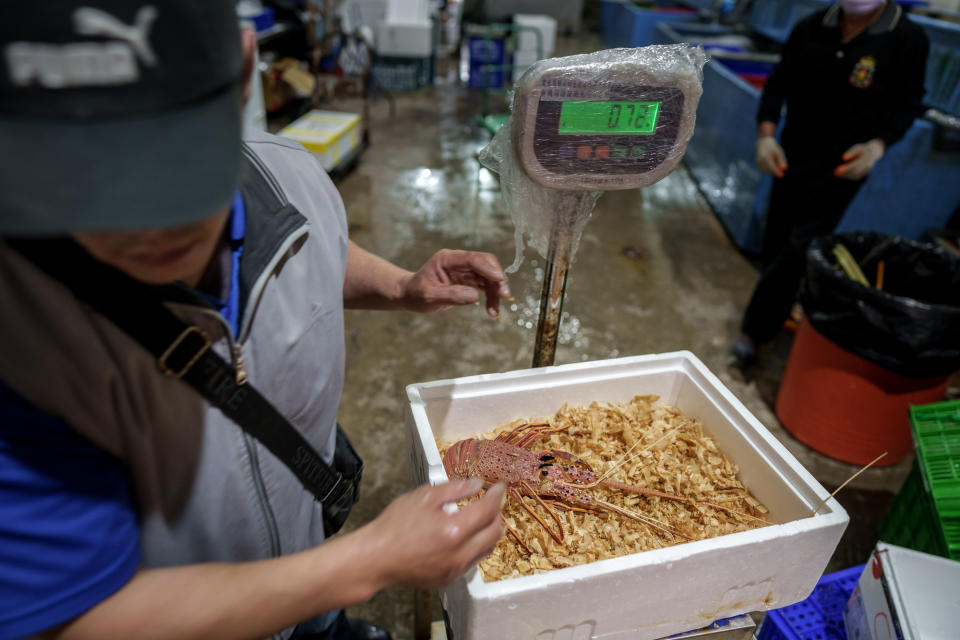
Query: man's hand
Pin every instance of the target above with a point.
(770, 156)
(414, 541)
(452, 278)
(417, 543)
(859, 159)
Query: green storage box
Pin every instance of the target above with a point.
(925, 515)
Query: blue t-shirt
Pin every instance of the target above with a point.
(69, 536)
(69, 531)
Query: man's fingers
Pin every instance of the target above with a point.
(454, 294)
(492, 291)
(488, 267)
(456, 490)
(478, 515)
(482, 544)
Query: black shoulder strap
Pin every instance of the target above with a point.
(182, 351)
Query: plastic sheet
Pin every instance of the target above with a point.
(621, 119)
(911, 326)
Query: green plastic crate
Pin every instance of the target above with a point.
(912, 521)
(936, 431)
(925, 515)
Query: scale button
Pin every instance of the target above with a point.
(566, 152)
(603, 151)
(637, 152)
(620, 151)
(585, 151)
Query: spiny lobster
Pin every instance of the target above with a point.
(541, 477)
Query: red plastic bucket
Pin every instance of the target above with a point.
(847, 407)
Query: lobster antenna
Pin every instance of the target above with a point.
(647, 520)
(849, 480)
(691, 501)
(624, 460)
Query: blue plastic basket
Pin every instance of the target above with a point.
(820, 616)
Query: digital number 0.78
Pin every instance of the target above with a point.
(635, 117)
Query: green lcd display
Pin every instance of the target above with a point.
(608, 117)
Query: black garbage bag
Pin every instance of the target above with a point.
(911, 326)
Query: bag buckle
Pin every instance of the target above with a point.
(336, 484)
(162, 360)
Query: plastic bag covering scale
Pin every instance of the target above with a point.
(584, 124)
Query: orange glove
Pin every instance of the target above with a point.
(770, 156)
(859, 159)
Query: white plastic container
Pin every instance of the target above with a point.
(404, 39)
(645, 595)
(527, 40)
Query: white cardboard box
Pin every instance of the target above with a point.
(905, 594)
(527, 40)
(645, 595)
(358, 13)
(408, 10)
(522, 60)
(404, 39)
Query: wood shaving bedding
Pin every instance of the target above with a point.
(672, 455)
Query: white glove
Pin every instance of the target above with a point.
(859, 159)
(770, 156)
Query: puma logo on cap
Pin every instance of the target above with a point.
(77, 64)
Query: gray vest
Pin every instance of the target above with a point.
(205, 490)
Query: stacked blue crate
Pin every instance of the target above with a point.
(775, 18)
(721, 153)
(623, 24)
(820, 616)
(943, 65)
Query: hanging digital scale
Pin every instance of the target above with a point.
(617, 119)
(596, 126)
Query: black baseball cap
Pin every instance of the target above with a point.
(117, 114)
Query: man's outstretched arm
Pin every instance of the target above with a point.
(449, 278)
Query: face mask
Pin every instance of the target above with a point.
(860, 7)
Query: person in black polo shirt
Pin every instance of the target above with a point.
(851, 78)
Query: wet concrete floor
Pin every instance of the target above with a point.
(654, 273)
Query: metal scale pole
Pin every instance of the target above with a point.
(559, 254)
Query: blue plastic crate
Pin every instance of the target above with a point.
(820, 616)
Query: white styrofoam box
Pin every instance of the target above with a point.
(404, 39)
(645, 595)
(527, 40)
(408, 10)
(904, 594)
(330, 135)
(357, 13)
(522, 61)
